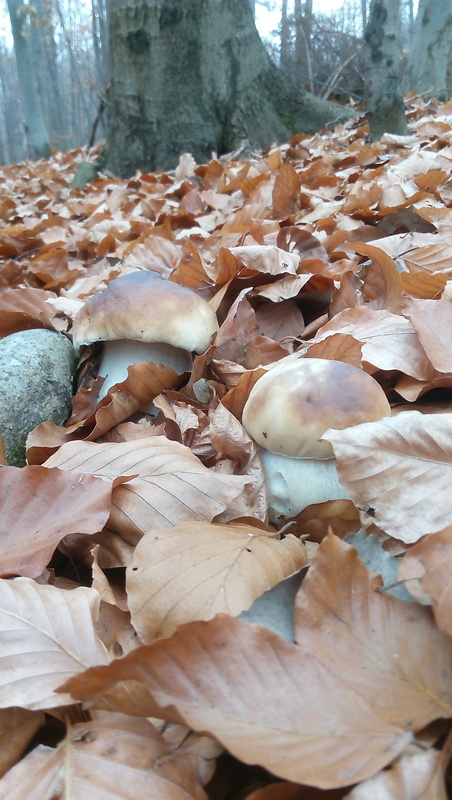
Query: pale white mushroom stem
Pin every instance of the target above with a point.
(120, 354)
(295, 483)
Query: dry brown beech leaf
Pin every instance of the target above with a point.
(424, 285)
(266, 258)
(47, 634)
(285, 191)
(17, 728)
(173, 485)
(389, 341)
(429, 562)
(420, 776)
(432, 319)
(197, 570)
(24, 308)
(398, 472)
(338, 347)
(268, 701)
(382, 283)
(39, 507)
(374, 641)
(114, 756)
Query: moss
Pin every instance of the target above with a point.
(15, 451)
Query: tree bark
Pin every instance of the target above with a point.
(37, 134)
(432, 38)
(284, 38)
(385, 107)
(195, 76)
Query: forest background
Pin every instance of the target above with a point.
(68, 61)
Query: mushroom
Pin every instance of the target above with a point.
(144, 317)
(288, 410)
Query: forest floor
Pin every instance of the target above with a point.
(131, 544)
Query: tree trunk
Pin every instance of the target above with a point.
(430, 48)
(11, 109)
(385, 107)
(37, 134)
(284, 38)
(303, 32)
(195, 76)
(43, 42)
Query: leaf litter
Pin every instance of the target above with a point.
(134, 545)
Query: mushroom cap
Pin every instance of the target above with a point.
(144, 306)
(293, 404)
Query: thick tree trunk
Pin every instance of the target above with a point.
(430, 48)
(37, 134)
(385, 107)
(195, 76)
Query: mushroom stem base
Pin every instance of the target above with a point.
(295, 483)
(121, 354)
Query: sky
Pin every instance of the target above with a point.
(267, 21)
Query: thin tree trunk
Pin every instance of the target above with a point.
(13, 126)
(284, 38)
(364, 13)
(42, 36)
(385, 107)
(432, 38)
(36, 129)
(303, 29)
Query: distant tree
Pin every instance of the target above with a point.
(36, 129)
(430, 49)
(195, 76)
(385, 106)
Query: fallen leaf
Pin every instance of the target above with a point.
(197, 570)
(374, 642)
(40, 506)
(17, 728)
(432, 319)
(114, 756)
(430, 562)
(47, 634)
(398, 472)
(268, 701)
(174, 486)
(389, 341)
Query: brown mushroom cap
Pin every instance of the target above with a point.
(145, 307)
(293, 404)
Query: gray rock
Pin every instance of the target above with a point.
(37, 369)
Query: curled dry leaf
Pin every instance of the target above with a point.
(340, 517)
(197, 570)
(231, 441)
(47, 634)
(381, 282)
(430, 563)
(268, 701)
(40, 506)
(174, 486)
(113, 756)
(374, 642)
(398, 472)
